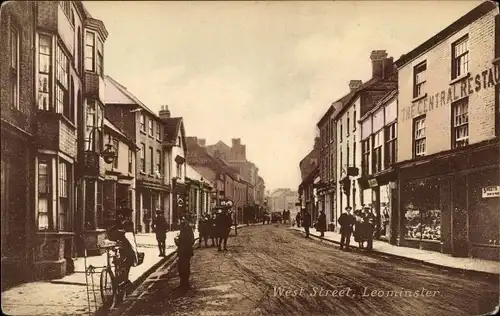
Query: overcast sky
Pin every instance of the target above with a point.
(264, 72)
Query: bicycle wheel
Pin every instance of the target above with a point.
(107, 287)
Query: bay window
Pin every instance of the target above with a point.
(99, 59)
(44, 66)
(14, 67)
(116, 146)
(63, 105)
(64, 206)
(365, 151)
(390, 145)
(44, 198)
(377, 152)
(93, 129)
(89, 51)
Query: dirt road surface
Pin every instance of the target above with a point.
(263, 262)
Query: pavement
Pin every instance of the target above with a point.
(68, 296)
(273, 270)
(423, 256)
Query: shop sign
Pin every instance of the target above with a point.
(491, 191)
(466, 87)
(372, 182)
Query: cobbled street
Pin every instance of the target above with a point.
(262, 259)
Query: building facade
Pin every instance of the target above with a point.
(200, 193)
(448, 145)
(309, 171)
(327, 164)
(18, 113)
(361, 98)
(378, 154)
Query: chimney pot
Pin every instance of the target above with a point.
(354, 84)
(382, 66)
(164, 112)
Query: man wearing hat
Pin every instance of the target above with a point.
(369, 223)
(160, 227)
(346, 222)
(184, 243)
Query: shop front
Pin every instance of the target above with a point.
(379, 193)
(450, 202)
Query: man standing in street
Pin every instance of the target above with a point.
(184, 243)
(346, 222)
(369, 221)
(160, 227)
(306, 222)
(322, 223)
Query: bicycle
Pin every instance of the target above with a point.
(114, 278)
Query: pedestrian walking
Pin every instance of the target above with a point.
(184, 243)
(160, 227)
(306, 222)
(298, 219)
(346, 222)
(369, 224)
(203, 230)
(321, 227)
(223, 224)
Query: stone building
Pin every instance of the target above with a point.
(200, 193)
(309, 171)
(447, 140)
(327, 164)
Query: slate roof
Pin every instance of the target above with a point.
(122, 95)
(309, 163)
(171, 128)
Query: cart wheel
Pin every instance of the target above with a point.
(107, 287)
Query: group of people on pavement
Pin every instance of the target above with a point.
(361, 224)
(215, 226)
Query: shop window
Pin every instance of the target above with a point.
(419, 79)
(44, 192)
(422, 210)
(64, 201)
(44, 73)
(460, 57)
(385, 210)
(390, 145)
(419, 138)
(484, 207)
(460, 123)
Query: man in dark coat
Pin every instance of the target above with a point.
(369, 224)
(160, 227)
(203, 230)
(223, 227)
(322, 223)
(306, 222)
(346, 222)
(298, 219)
(184, 243)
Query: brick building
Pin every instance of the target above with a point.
(327, 164)
(378, 155)
(309, 171)
(18, 134)
(348, 109)
(448, 146)
(200, 192)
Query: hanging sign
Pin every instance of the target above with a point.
(491, 191)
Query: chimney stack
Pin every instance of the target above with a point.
(202, 142)
(316, 142)
(236, 142)
(164, 112)
(354, 84)
(380, 64)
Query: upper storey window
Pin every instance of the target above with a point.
(460, 58)
(94, 52)
(419, 79)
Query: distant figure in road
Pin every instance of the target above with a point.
(203, 230)
(298, 219)
(160, 227)
(346, 222)
(184, 243)
(322, 223)
(306, 222)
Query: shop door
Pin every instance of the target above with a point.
(460, 246)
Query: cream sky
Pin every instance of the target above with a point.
(264, 72)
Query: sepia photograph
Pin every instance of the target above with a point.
(250, 158)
